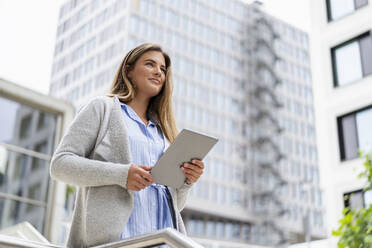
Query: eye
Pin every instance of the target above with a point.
(164, 70)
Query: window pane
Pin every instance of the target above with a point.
(200, 227)
(23, 175)
(348, 137)
(246, 232)
(220, 229)
(340, 8)
(13, 212)
(211, 228)
(192, 226)
(367, 198)
(360, 3)
(356, 200)
(236, 231)
(229, 231)
(348, 63)
(364, 123)
(26, 127)
(366, 48)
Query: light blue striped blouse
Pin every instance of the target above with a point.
(151, 210)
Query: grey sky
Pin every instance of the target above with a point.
(28, 30)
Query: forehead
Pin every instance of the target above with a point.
(153, 55)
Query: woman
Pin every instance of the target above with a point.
(110, 147)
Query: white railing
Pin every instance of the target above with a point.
(13, 242)
(166, 236)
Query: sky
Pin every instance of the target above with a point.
(28, 30)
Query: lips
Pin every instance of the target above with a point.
(155, 80)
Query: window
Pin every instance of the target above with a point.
(220, 229)
(339, 8)
(358, 199)
(24, 178)
(246, 230)
(352, 60)
(200, 227)
(228, 230)
(191, 225)
(134, 24)
(211, 228)
(25, 129)
(354, 134)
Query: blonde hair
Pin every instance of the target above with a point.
(161, 104)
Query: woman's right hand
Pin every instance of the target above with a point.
(139, 177)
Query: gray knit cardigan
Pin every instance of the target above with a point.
(94, 155)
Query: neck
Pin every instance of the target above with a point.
(139, 105)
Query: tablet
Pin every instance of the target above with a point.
(188, 145)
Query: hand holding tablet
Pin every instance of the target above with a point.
(188, 145)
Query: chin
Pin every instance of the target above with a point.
(154, 93)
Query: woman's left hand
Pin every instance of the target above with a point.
(193, 170)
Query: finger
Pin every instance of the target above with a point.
(193, 167)
(191, 178)
(147, 168)
(198, 163)
(192, 172)
(136, 188)
(140, 186)
(145, 175)
(142, 181)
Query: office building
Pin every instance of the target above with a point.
(342, 67)
(31, 125)
(217, 49)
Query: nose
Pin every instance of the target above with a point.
(158, 70)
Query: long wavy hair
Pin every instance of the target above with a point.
(161, 104)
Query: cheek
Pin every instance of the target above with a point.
(141, 75)
(163, 78)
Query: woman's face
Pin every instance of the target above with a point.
(148, 74)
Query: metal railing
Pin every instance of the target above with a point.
(13, 242)
(166, 236)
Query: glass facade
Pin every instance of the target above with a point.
(26, 145)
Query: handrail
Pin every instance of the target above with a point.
(14, 242)
(167, 236)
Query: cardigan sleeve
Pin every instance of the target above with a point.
(182, 193)
(70, 163)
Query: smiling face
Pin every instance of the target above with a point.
(148, 74)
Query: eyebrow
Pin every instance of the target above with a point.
(154, 62)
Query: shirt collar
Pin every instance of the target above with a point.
(133, 115)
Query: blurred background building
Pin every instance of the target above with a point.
(31, 125)
(342, 68)
(240, 75)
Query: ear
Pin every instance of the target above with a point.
(128, 71)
